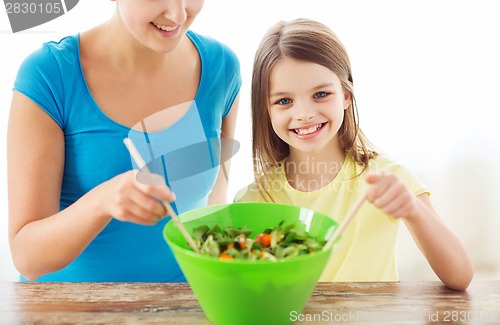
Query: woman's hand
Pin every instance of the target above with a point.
(136, 197)
(388, 193)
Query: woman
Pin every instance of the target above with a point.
(77, 211)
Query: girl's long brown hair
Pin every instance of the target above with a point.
(306, 40)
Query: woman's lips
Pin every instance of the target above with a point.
(166, 29)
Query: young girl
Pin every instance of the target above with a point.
(309, 151)
(77, 212)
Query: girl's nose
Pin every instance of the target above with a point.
(175, 11)
(303, 113)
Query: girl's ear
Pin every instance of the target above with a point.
(347, 99)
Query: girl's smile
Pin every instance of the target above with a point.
(308, 132)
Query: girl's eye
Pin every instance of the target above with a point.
(321, 94)
(283, 101)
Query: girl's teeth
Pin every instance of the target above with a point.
(165, 27)
(308, 130)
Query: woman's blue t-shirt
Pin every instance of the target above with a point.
(186, 154)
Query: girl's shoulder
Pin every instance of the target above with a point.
(249, 193)
(267, 182)
(381, 162)
(385, 163)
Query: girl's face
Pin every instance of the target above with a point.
(306, 105)
(158, 24)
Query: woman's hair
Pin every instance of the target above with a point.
(311, 41)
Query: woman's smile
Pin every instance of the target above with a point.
(166, 30)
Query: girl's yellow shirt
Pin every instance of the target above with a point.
(367, 248)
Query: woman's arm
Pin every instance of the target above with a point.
(219, 192)
(42, 238)
(442, 249)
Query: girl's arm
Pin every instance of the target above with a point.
(440, 246)
(42, 238)
(219, 192)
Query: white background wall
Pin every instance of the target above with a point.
(426, 79)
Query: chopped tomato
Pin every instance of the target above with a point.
(224, 256)
(265, 239)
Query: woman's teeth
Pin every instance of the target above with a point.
(165, 27)
(312, 129)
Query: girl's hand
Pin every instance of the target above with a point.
(388, 193)
(134, 197)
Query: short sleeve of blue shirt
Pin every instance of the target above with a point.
(39, 78)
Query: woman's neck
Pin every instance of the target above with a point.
(123, 51)
(308, 172)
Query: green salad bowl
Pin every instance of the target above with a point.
(251, 292)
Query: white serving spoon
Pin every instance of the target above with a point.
(170, 211)
(345, 221)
